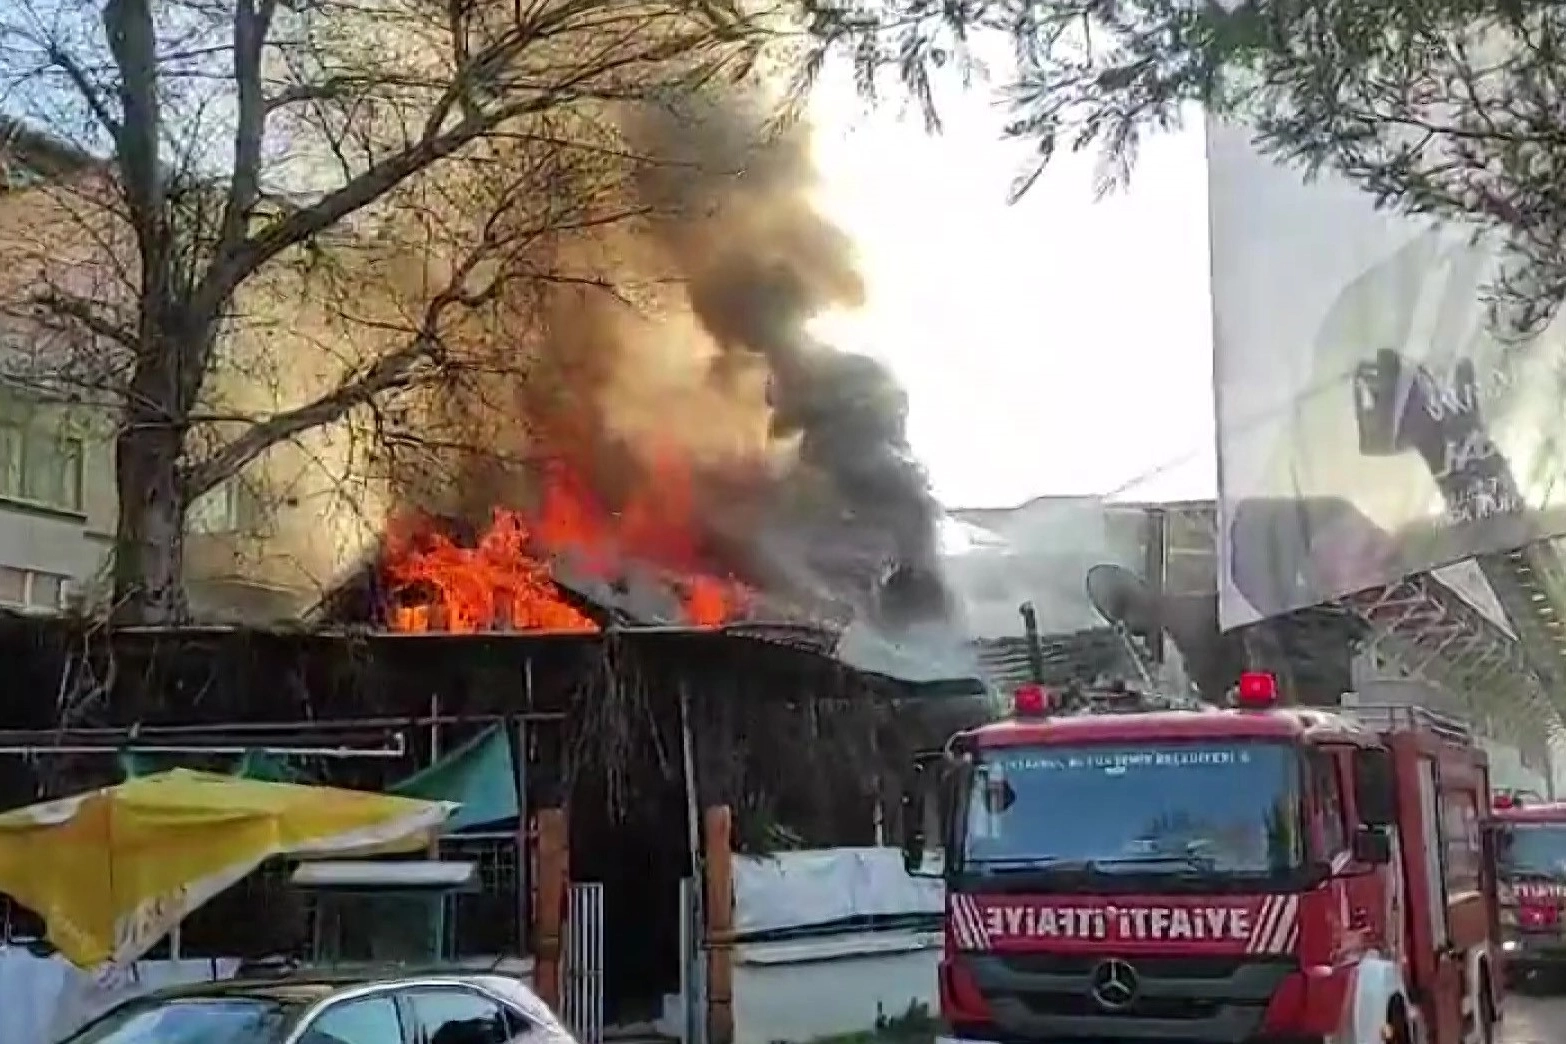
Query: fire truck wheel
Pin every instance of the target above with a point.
(1490, 1013)
(1486, 1018)
(1400, 1028)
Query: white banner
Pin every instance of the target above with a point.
(1370, 424)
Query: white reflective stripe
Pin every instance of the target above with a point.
(1259, 925)
(1266, 923)
(968, 923)
(981, 931)
(961, 937)
(1287, 914)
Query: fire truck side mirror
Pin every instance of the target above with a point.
(1375, 787)
(1372, 846)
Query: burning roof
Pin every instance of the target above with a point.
(575, 566)
(643, 562)
(685, 454)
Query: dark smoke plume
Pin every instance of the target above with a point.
(802, 476)
(761, 263)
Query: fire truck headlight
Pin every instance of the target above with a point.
(1510, 946)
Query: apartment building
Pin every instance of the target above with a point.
(250, 554)
(57, 502)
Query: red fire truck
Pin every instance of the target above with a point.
(1258, 873)
(1530, 857)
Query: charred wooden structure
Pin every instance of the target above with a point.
(611, 726)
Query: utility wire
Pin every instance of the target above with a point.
(1266, 417)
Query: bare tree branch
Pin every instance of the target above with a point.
(316, 214)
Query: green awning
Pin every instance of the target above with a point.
(479, 775)
(256, 764)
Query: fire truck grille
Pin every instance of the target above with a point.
(1175, 997)
(1148, 967)
(1144, 1008)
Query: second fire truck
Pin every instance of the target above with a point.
(1260, 873)
(1530, 855)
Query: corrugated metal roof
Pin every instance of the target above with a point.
(1081, 656)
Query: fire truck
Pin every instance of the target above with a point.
(1252, 873)
(1530, 858)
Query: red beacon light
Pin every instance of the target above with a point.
(1502, 802)
(1030, 701)
(1258, 690)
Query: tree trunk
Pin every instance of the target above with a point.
(149, 545)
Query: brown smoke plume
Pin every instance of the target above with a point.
(802, 470)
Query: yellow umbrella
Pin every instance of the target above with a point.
(113, 870)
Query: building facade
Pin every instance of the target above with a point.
(261, 546)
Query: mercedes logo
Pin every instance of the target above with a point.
(1114, 984)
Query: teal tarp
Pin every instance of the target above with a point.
(479, 775)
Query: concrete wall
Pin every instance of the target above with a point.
(803, 989)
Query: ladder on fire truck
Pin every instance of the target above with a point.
(1388, 717)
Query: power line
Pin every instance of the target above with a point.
(1168, 465)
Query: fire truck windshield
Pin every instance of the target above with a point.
(1533, 849)
(1195, 811)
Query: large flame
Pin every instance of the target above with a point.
(507, 579)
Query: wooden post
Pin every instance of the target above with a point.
(554, 867)
(720, 925)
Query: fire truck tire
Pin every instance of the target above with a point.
(1400, 1027)
(1490, 1012)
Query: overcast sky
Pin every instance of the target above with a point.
(1055, 346)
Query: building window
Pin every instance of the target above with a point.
(40, 467)
(230, 507)
(33, 589)
(14, 176)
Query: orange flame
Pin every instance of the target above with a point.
(504, 582)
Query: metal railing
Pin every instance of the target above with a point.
(1402, 716)
(582, 971)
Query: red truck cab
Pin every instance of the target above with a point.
(1252, 874)
(1530, 860)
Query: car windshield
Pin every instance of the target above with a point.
(1538, 849)
(192, 1020)
(1180, 809)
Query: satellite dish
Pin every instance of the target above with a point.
(1122, 598)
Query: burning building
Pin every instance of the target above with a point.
(645, 526)
(694, 458)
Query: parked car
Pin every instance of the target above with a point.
(306, 1008)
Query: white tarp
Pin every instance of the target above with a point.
(44, 998)
(1354, 367)
(827, 886)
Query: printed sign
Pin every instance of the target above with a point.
(1120, 760)
(1533, 891)
(1371, 423)
(1267, 926)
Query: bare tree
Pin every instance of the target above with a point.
(253, 146)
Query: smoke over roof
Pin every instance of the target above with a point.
(762, 263)
(799, 470)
